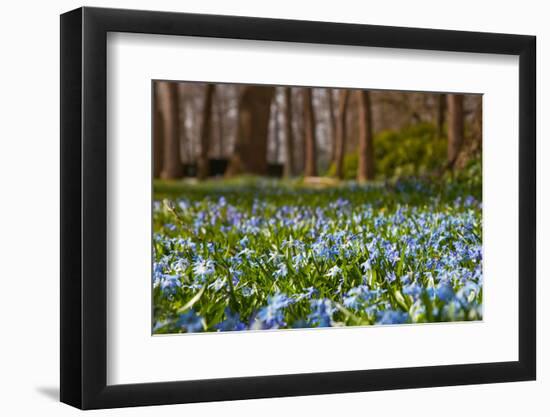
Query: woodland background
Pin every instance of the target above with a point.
(203, 130)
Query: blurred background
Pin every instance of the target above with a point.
(224, 130)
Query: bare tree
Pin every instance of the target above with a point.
(185, 155)
(289, 135)
(158, 134)
(365, 170)
(169, 104)
(333, 124)
(440, 115)
(250, 151)
(276, 129)
(298, 129)
(206, 132)
(310, 165)
(455, 104)
(341, 136)
(220, 107)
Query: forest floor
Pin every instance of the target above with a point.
(252, 253)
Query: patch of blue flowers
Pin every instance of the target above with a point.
(274, 257)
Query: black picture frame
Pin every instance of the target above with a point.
(84, 207)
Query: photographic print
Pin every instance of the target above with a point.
(288, 207)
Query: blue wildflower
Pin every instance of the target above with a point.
(282, 271)
(247, 291)
(444, 291)
(333, 272)
(169, 283)
(203, 268)
(190, 322)
(232, 322)
(218, 284)
(272, 315)
(392, 317)
(413, 289)
(321, 312)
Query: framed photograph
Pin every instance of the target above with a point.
(257, 208)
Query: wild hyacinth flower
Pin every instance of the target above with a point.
(333, 272)
(183, 205)
(218, 284)
(211, 247)
(272, 315)
(300, 259)
(468, 292)
(232, 322)
(321, 312)
(405, 279)
(180, 265)
(352, 299)
(159, 325)
(281, 272)
(366, 266)
(170, 226)
(391, 277)
(247, 291)
(274, 257)
(373, 251)
(358, 296)
(190, 322)
(202, 268)
(391, 253)
(169, 283)
(246, 252)
(417, 311)
(392, 317)
(307, 294)
(414, 290)
(158, 273)
(444, 291)
(288, 243)
(235, 275)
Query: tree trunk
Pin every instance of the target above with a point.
(184, 142)
(298, 122)
(158, 134)
(276, 129)
(333, 123)
(310, 165)
(250, 152)
(341, 136)
(478, 124)
(206, 132)
(440, 115)
(169, 104)
(221, 114)
(289, 135)
(365, 170)
(455, 127)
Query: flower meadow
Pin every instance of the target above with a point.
(264, 254)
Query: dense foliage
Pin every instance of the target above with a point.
(266, 255)
(414, 150)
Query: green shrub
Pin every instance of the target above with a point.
(351, 162)
(411, 151)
